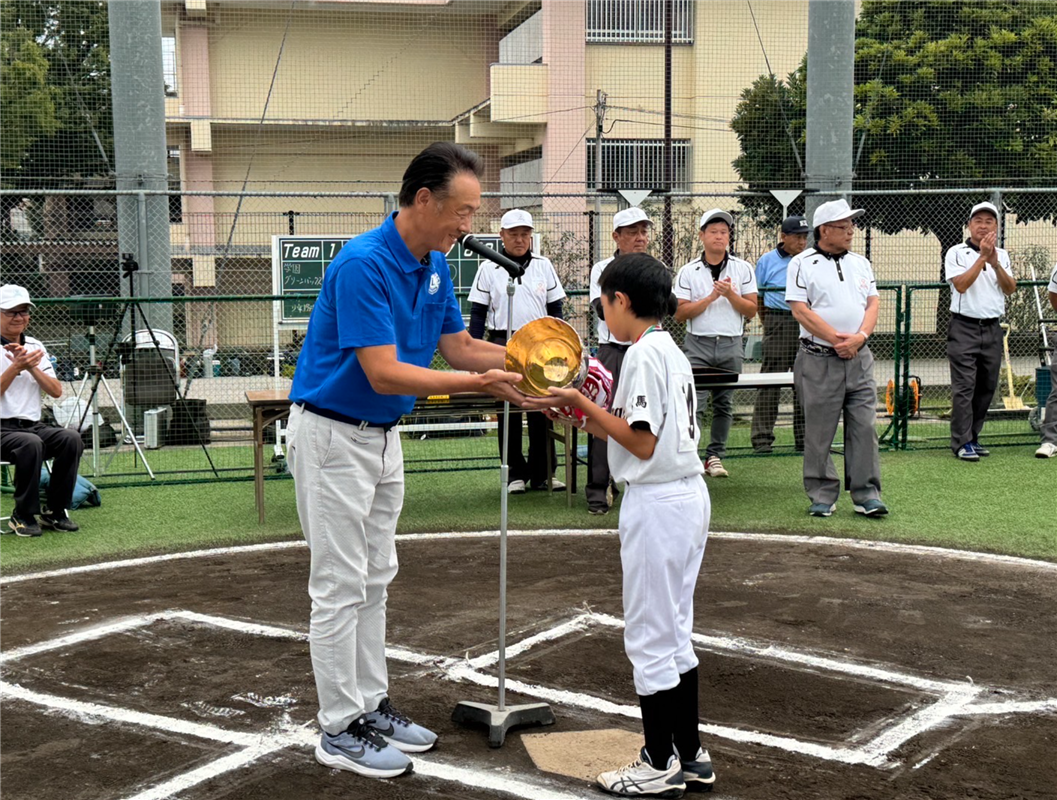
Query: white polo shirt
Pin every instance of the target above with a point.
(834, 288)
(532, 292)
(22, 400)
(604, 336)
(657, 387)
(984, 299)
(695, 282)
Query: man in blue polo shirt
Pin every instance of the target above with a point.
(781, 335)
(385, 306)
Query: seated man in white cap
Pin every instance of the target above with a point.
(25, 441)
(716, 294)
(833, 295)
(631, 234)
(537, 293)
(981, 277)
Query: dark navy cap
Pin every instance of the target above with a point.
(795, 225)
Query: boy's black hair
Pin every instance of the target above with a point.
(644, 279)
(434, 168)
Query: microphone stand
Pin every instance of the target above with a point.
(500, 718)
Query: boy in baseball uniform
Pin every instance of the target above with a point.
(652, 446)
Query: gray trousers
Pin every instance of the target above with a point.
(828, 386)
(719, 352)
(1049, 428)
(781, 341)
(975, 355)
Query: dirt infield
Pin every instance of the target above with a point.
(828, 670)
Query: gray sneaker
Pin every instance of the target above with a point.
(399, 731)
(697, 774)
(361, 750)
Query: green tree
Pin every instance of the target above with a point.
(57, 120)
(948, 94)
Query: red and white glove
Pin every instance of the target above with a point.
(597, 386)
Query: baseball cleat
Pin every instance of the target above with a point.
(641, 779)
(698, 774)
(399, 731)
(361, 750)
(714, 468)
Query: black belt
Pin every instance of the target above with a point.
(338, 417)
(974, 320)
(816, 349)
(18, 422)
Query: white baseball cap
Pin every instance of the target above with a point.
(516, 218)
(629, 216)
(12, 296)
(835, 211)
(985, 206)
(713, 215)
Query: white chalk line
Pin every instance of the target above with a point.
(861, 544)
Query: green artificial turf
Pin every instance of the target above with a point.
(1004, 504)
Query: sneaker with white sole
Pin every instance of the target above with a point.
(362, 750)
(714, 467)
(698, 774)
(981, 451)
(24, 527)
(516, 487)
(641, 779)
(871, 508)
(398, 730)
(821, 509)
(967, 453)
(556, 486)
(1046, 450)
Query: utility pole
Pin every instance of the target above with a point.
(138, 95)
(600, 118)
(830, 100)
(667, 233)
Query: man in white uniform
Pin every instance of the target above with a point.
(537, 293)
(25, 441)
(833, 295)
(980, 276)
(716, 294)
(631, 233)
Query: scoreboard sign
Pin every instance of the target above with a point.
(299, 262)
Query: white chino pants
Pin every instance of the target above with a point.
(349, 484)
(663, 528)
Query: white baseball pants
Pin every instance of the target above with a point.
(349, 484)
(663, 528)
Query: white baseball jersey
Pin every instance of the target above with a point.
(695, 282)
(22, 400)
(532, 292)
(1053, 281)
(984, 299)
(836, 289)
(604, 336)
(657, 387)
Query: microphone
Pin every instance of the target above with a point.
(474, 246)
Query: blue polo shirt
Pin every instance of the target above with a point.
(374, 293)
(770, 271)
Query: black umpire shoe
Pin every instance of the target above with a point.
(23, 527)
(59, 522)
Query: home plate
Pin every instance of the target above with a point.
(582, 754)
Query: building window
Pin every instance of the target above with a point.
(638, 21)
(175, 200)
(168, 64)
(639, 164)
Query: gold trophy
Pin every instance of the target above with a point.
(546, 352)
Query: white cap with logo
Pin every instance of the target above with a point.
(716, 214)
(629, 216)
(985, 206)
(835, 211)
(12, 296)
(516, 218)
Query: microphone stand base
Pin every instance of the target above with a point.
(499, 721)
